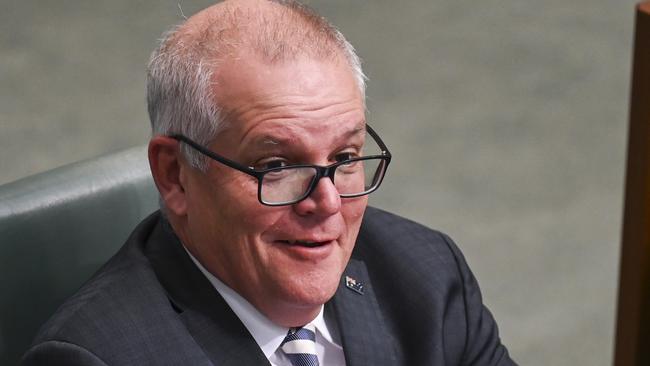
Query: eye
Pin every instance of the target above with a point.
(270, 164)
(343, 156)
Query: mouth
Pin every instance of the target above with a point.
(305, 243)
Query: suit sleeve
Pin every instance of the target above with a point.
(483, 345)
(54, 353)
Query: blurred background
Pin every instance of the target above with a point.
(507, 120)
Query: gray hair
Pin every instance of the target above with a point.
(180, 96)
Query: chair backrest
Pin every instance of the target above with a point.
(56, 229)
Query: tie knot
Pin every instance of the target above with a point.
(300, 346)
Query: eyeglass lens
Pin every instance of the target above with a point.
(354, 178)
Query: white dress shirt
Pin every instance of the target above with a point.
(269, 335)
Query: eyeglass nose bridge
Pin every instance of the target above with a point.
(321, 172)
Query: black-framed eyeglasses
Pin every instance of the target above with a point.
(291, 184)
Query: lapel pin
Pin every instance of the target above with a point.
(354, 285)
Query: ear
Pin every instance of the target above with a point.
(166, 165)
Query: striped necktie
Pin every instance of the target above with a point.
(300, 346)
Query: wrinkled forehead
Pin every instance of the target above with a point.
(300, 102)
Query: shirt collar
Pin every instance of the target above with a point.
(267, 334)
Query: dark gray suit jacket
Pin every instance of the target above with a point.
(150, 305)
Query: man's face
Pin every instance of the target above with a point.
(301, 111)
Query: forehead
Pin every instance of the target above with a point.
(246, 77)
(291, 97)
(291, 134)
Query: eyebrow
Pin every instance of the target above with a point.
(269, 140)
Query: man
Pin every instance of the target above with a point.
(265, 252)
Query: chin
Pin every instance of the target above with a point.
(310, 291)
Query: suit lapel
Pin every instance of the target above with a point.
(208, 318)
(363, 333)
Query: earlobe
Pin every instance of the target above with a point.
(165, 162)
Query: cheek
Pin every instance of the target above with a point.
(245, 219)
(235, 198)
(353, 215)
(353, 211)
(220, 206)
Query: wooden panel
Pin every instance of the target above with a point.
(633, 323)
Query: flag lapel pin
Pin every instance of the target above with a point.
(354, 285)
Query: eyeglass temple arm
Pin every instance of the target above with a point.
(381, 144)
(219, 158)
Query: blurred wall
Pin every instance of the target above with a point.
(507, 120)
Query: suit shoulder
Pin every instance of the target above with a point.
(387, 228)
(123, 315)
(104, 298)
(388, 241)
(117, 297)
(424, 286)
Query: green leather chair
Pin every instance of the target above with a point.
(56, 229)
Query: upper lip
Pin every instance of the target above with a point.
(292, 241)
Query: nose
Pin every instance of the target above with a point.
(324, 200)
